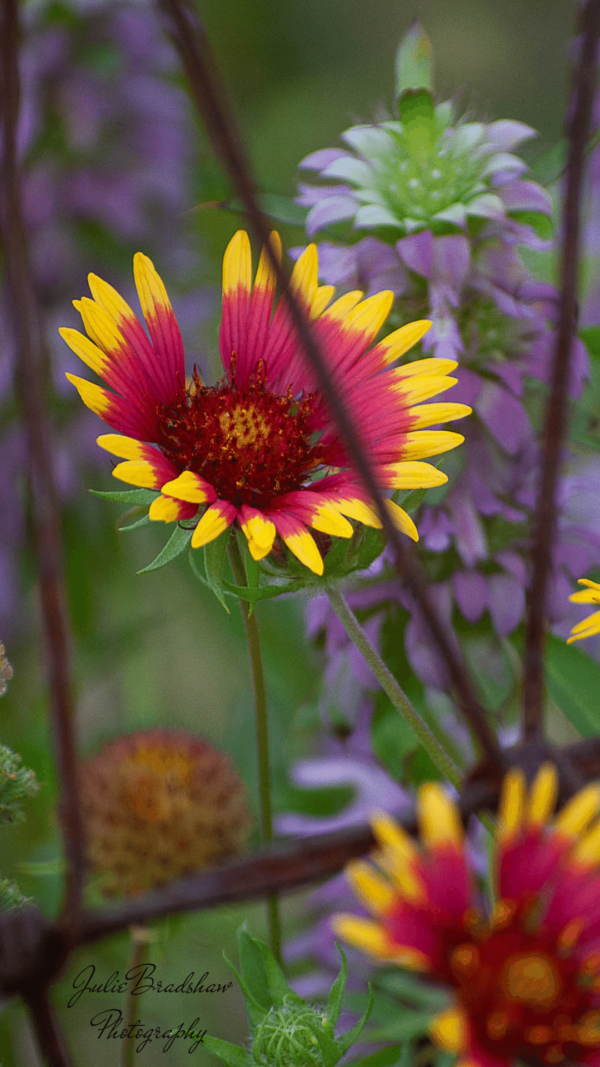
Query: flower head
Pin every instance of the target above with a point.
(260, 446)
(526, 977)
(590, 626)
(157, 805)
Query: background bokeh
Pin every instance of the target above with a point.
(117, 161)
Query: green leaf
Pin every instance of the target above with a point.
(371, 547)
(253, 969)
(414, 61)
(279, 208)
(128, 496)
(279, 990)
(334, 1004)
(418, 119)
(403, 1027)
(347, 1040)
(574, 684)
(414, 498)
(232, 1055)
(177, 543)
(386, 1057)
(215, 553)
(336, 558)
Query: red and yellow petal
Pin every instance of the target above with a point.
(112, 409)
(260, 531)
(261, 310)
(215, 520)
(299, 541)
(166, 509)
(397, 343)
(313, 510)
(161, 322)
(425, 415)
(148, 473)
(370, 937)
(237, 286)
(412, 475)
(418, 444)
(191, 488)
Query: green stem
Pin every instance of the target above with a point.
(443, 759)
(140, 937)
(262, 735)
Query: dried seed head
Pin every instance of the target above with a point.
(157, 805)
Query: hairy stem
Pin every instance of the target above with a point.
(546, 517)
(443, 759)
(262, 735)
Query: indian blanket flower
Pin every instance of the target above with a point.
(157, 805)
(260, 448)
(591, 625)
(526, 977)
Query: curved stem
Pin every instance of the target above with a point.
(262, 735)
(443, 760)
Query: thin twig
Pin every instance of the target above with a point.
(45, 512)
(48, 1032)
(546, 517)
(211, 100)
(281, 869)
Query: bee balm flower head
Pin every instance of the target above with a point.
(526, 978)
(260, 448)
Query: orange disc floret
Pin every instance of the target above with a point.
(158, 805)
(526, 977)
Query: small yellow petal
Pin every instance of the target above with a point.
(578, 812)
(94, 397)
(99, 325)
(260, 533)
(108, 298)
(342, 307)
(137, 472)
(123, 447)
(370, 888)
(542, 796)
(449, 1029)
(402, 520)
(187, 486)
(323, 295)
(265, 275)
(422, 443)
(164, 509)
(392, 836)
(87, 351)
(303, 281)
(304, 547)
(421, 387)
(587, 851)
(364, 934)
(424, 415)
(439, 820)
(211, 525)
(328, 520)
(412, 475)
(237, 264)
(361, 512)
(511, 810)
(369, 316)
(401, 340)
(431, 365)
(587, 628)
(401, 872)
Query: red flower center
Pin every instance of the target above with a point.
(250, 445)
(524, 992)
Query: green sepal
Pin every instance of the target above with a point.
(215, 553)
(267, 592)
(413, 64)
(177, 543)
(574, 684)
(143, 497)
(232, 1055)
(347, 1040)
(418, 119)
(261, 973)
(334, 1003)
(145, 520)
(541, 224)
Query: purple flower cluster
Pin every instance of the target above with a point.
(106, 138)
(443, 228)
